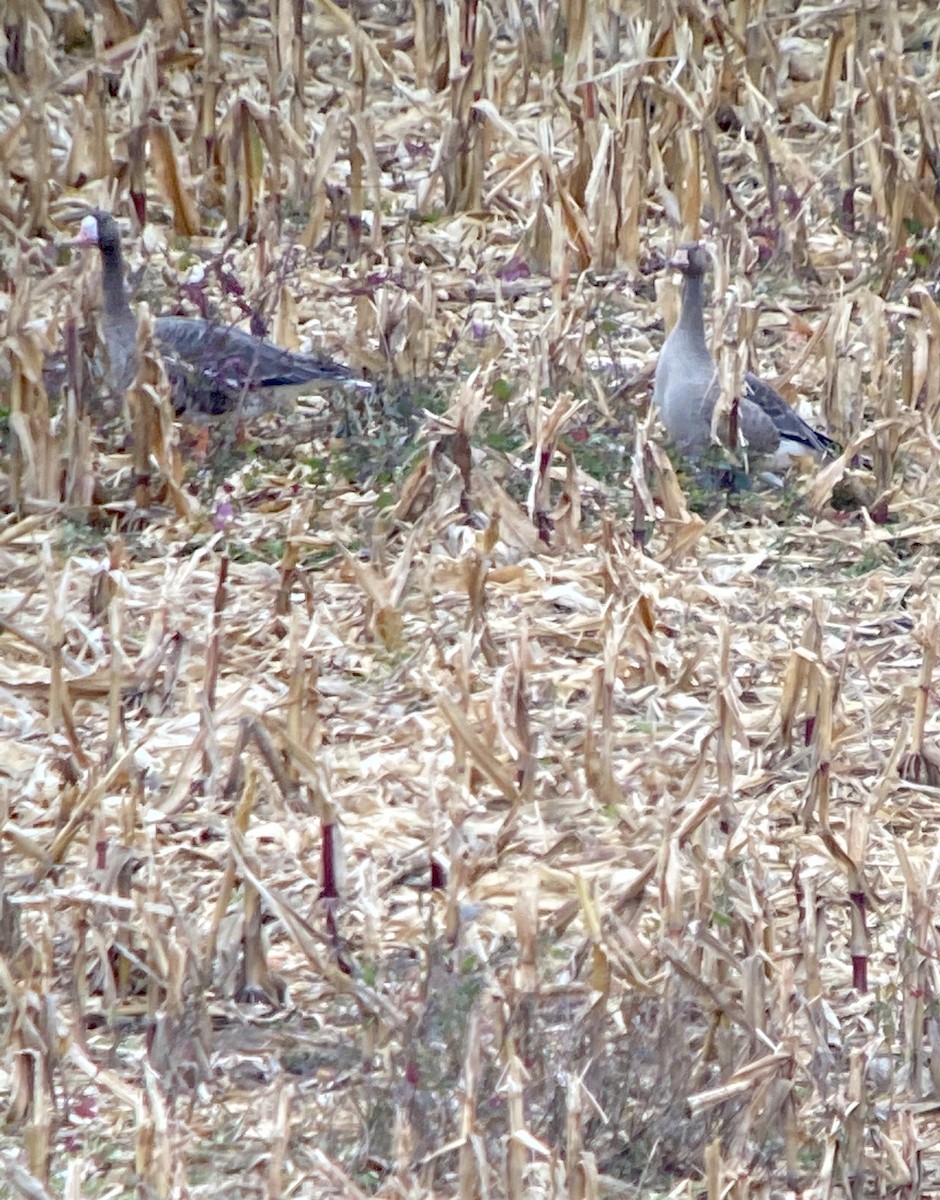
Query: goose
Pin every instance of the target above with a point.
(686, 387)
(213, 369)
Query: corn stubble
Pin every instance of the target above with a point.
(440, 808)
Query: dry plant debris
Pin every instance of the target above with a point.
(437, 796)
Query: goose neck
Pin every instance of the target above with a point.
(692, 316)
(115, 295)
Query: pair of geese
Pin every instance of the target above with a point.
(215, 369)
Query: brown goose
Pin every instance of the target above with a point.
(212, 369)
(686, 383)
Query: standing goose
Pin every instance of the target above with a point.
(212, 369)
(686, 383)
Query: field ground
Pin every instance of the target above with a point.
(445, 793)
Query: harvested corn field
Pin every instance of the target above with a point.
(441, 789)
